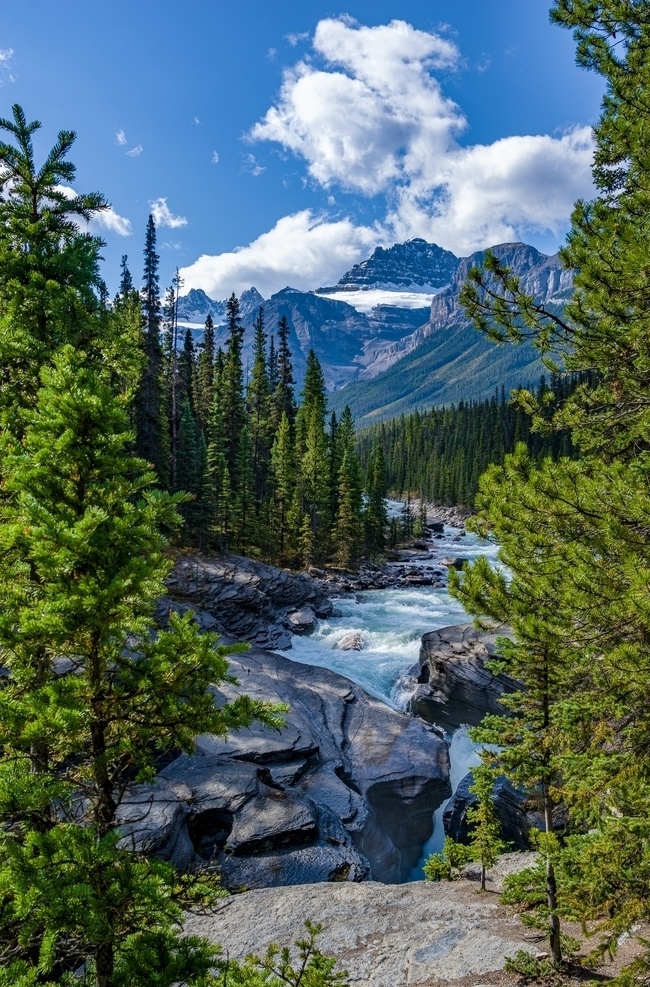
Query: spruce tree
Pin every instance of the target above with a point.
(258, 407)
(92, 698)
(231, 386)
(281, 378)
(149, 412)
(575, 532)
(49, 270)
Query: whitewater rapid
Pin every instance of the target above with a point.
(391, 623)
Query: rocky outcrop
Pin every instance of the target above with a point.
(453, 684)
(417, 933)
(346, 789)
(245, 599)
(518, 813)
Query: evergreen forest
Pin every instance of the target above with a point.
(260, 471)
(440, 455)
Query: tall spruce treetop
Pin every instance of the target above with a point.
(49, 271)
(232, 385)
(281, 371)
(148, 402)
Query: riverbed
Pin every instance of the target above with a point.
(391, 623)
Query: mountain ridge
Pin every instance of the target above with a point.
(388, 359)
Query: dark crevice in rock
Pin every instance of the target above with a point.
(209, 831)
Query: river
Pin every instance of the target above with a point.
(392, 622)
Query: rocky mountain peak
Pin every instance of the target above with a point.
(413, 264)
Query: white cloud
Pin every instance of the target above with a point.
(303, 250)
(163, 216)
(253, 166)
(135, 152)
(171, 245)
(197, 122)
(367, 114)
(509, 190)
(296, 38)
(366, 124)
(111, 222)
(120, 138)
(215, 157)
(6, 66)
(105, 220)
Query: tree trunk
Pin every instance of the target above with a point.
(551, 890)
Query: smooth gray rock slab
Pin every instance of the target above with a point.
(346, 785)
(248, 600)
(454, 686)
(385, 936)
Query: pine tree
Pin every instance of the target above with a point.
(312, 464)
(576, 531)
(84, 570)
(375, 516)
(49, 271)
(281, 371)
(204, 383)
(231, 386)
(150, 431)
(283, 483)
(258, 407)
(485, 840)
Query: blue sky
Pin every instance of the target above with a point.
(278, 143)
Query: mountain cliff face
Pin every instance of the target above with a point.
(389, 359)
(446, 360)
(414, 263)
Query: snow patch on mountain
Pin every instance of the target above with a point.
(365, 300)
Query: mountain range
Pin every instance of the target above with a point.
(391, 335)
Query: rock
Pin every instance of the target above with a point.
(346, 788)
(454, 686)
(416, 933)
(354, 641)
(453, 561)
(244, 599)
(517, 813)
(302, 621)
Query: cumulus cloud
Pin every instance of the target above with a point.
(110, 221)
(135, 152)
(371, 117)
(303, 250)
(120, 138)
(367, 114)
(163, 216)
(364, 120)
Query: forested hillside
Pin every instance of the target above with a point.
(441, 454)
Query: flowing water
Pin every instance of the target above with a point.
(392, 622)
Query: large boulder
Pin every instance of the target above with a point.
(518, 813)
(247, 600)
(453, 685)
(347, 788)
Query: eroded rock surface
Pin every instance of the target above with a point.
(346, 789)
(453, 685)
(248, 600)
(412, 934)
